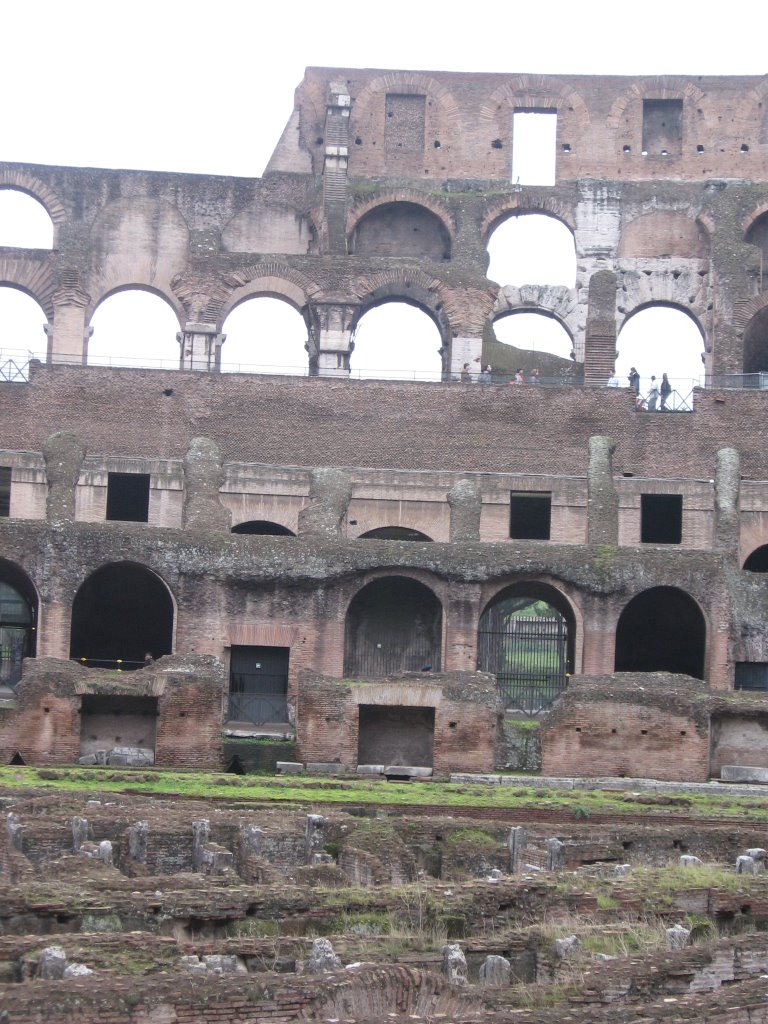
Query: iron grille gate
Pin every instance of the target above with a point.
(393, 652)
(529, 657)
(258, 685)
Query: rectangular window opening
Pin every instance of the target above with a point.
(534, 147)
(661, 518)
(5, 491)
(663, 127)
(258, 684)
(128, 497)
(530, 515)
(751, 675)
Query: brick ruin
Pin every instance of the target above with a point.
(231, 537)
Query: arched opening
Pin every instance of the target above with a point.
(24, 221)
(134, 327)
(393, 625)
(532, 248)
(529, 335)
(394, 533)
(758, 235)
(263, 528)
(526, 638)
(662, 339)
(23, 332)
(121, 613)
(661, 630)
(18, 620)
(758, 560)
(401, 229)
(396, 340)
(265, 335)
(755, 351)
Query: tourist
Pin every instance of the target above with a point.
(666, 391)
(613, 380)
(535, 377)
(466, 376)
(653, 395)
(634, 380)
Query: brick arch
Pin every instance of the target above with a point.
(413, 287)
(22, 181)
(269, 279)
(745, 311)
(368, 992)
(750, 118)
(518, 206)
(33, 277)
(439, 587)
(139, 286)
(663, 87)
(534, 91)
(410, 82)
(402, 195)
(656, 303)
(750, 219)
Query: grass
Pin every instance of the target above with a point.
(310, 790)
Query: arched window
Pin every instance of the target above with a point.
(394, 533)
(393, 625)
(121, 613)
(134, 327)
(23, 330)
(532, 248)
(401, 229)
(661, 630)
(24, 221)
(758, 235)
(758, 560)
(526, 639)
(265, 335)
(397, 341)
(18, 614)
(263, 528)
(533, 333)
(661, 339)
(755, 352)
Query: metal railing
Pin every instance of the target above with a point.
(14, 370)
(257, 708)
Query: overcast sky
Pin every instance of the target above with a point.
(208, 88)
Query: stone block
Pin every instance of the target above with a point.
(454, 964)
(412, 771)
(324, 767)
(744, 773)
(566, 947)
(495, 971)
(51, 963)
(323, 958)
(370, 769)
(289, 767)
(76, 971)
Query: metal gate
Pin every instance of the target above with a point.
(527, 654)
(392, 652)
(258, 685)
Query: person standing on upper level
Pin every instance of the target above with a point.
(634, 380)
(665, 391)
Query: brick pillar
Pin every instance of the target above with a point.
(462, 614)
(600, 337)
(602, 499)
(727, 503)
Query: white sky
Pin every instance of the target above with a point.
(198, 88)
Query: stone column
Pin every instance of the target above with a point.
(727, 527)
(329, 493)
(203, 476)
(333, 337)
(602, 499)
(67, 333)
(200, 347)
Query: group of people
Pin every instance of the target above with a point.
(487, 376)
(659, 391)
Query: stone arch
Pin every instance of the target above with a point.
(275, 280)
(262, 528)
(19, 613)
(394, 533)
(400, 229)
(527, 638)
(130, 286)
(678, 287)
(393, 624)
(661, 629)
(363, 207)
(652, 303)
(533, 92)
(121, 611)
(663, 233)
(757, 560)
(518, 206)
(20, 180)
(34, 279)
(401, 285)
(117, 260)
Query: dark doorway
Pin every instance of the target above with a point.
(258, 684)
(526, 639)
(755, 352)
(751, 675)
(263, 528)
(758, 560)
(393, 625)
(396, 736)
(661, 630)
(120, 614)
(661, 518)
(530, 515)
(108, 721)
(18, 611)
(394, 533)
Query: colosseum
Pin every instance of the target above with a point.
(388, 576)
